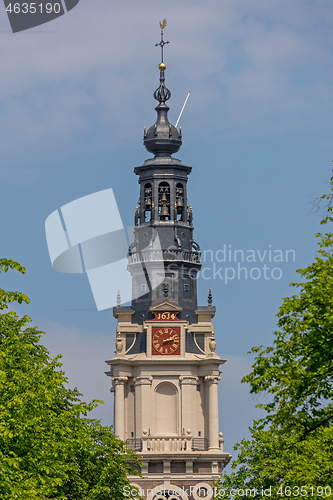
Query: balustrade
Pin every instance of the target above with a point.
(153, 255)
(167, 443)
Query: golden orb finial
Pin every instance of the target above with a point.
(162, 67)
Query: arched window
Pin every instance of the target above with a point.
(164, 201)
(180, 201)
(148, 201)
(166, 408)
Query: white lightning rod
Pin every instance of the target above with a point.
(180, 114)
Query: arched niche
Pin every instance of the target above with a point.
(166, 409)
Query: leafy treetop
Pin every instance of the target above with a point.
(292, 446)
(48, 447)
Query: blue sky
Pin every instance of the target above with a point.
(75, 95)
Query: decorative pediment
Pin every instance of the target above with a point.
(165, 305)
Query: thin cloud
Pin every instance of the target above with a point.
(89, 85)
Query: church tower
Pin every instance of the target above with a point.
(165, 371)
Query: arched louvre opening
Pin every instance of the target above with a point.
(180, 201)
(164, 201)
(148, 201)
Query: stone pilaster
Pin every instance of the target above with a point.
(188, 384)
(213, 413)
(119, 406)
(142, 404)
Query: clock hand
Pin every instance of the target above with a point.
(169, 339)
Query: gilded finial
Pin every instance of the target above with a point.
(190, 208)
(136, 211)
(163, 24)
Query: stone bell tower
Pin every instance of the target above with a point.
(165, 371)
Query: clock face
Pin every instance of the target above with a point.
(165, 340)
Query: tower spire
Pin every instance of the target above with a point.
(162, 93)
(162, 138)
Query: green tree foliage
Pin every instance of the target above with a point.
(292, 446)
(49, 449)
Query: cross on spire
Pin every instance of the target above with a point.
(162, 42)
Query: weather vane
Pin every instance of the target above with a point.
(162, 42)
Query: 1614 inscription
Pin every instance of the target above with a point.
(166, 316)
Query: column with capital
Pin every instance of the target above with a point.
(188, 384)
(213, 411)
(119, 406)
(142, 404)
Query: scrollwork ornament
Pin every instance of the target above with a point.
(213, 379)
(188, 380)
(119, 380)
(144, 380)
